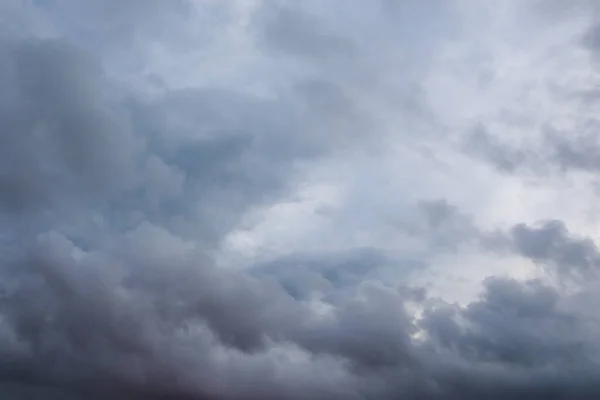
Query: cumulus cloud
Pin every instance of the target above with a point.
(298, 200)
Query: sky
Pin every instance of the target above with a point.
(299, 199)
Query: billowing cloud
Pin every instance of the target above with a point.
(330, 199)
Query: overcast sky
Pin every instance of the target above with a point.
(299, 199)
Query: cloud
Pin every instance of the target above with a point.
(552, 243)
(520, 326)
(296, 32)
(61, 136)
(280, 200)
(536, 142)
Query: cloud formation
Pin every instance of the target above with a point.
(298, 200)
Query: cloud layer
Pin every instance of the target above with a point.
(322, 199)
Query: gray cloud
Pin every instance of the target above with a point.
(556, 152)
(302, 274)
(580, 152)
(552, 243)
(592, 38)
(116, 204)
(520, 324)
(507, 159)
(548, 146)
(59, 134)
(82, 323)
(293, 31)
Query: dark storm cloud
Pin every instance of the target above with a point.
(60, 137)
(505, 325)
(78, 319)
(237, 152)
(78, 316)
(552, 243)
(130, 306)
(515, 340)
(540, 350)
